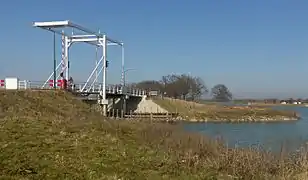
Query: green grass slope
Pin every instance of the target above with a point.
(50, 135)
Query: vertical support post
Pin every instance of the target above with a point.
(96, 62)
(123, 81)
(123, 76)
(63, 61)
(54, 61)
(105, 102)
(64, 56)
(66, 46)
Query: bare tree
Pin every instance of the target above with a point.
(198, 88)
(183, 85)
(176, 86)
(170, 86)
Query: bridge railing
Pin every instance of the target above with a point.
(25, 84)
(110, 89)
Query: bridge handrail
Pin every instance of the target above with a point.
(110, 89)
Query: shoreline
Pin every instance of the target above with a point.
(242, 120)
(195, 112)
(270, 105)
(180, 119)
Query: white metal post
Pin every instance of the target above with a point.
(66, 46)
(105, 103)
(63, 65)
(122, 77)
(123, 81)
(96, 62)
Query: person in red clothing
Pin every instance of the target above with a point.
(63, 82)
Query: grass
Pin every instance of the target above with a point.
(216, 112)
(49, 135)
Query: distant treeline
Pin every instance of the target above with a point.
(184, 86)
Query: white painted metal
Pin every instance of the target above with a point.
(11, 83)
(91, 37)
(82, 36)
(104, 75)
(101, 41)
(51, 75)
(95, 80)
(96, 63)
(122, 75)
(63, 61)
(51, 24)
(93, 71)
(66, 60)
(22, 84)
(97, 88)
(86, 39)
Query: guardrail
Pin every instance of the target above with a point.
(96, 88)
(111, 89)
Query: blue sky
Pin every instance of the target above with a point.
(258, 48)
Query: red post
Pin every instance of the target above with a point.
(59, 83)
(62, 83)
(2, 83)
(51, 83)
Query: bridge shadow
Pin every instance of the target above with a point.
(118, 104)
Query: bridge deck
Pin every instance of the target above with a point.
(77, 88)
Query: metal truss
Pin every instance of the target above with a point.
(82, 34)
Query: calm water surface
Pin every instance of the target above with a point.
(290, 135)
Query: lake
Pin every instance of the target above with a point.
(271, 136)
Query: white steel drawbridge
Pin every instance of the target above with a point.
(81, 34)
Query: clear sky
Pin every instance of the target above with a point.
(257, 48)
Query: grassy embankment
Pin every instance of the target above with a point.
(215, 112)
(49, 135)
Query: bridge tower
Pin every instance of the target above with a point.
(100, 41)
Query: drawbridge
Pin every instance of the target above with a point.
(61, 71)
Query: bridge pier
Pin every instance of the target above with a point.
(105, 110)
(124, 105)
(103, 103)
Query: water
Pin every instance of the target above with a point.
(271, 136)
